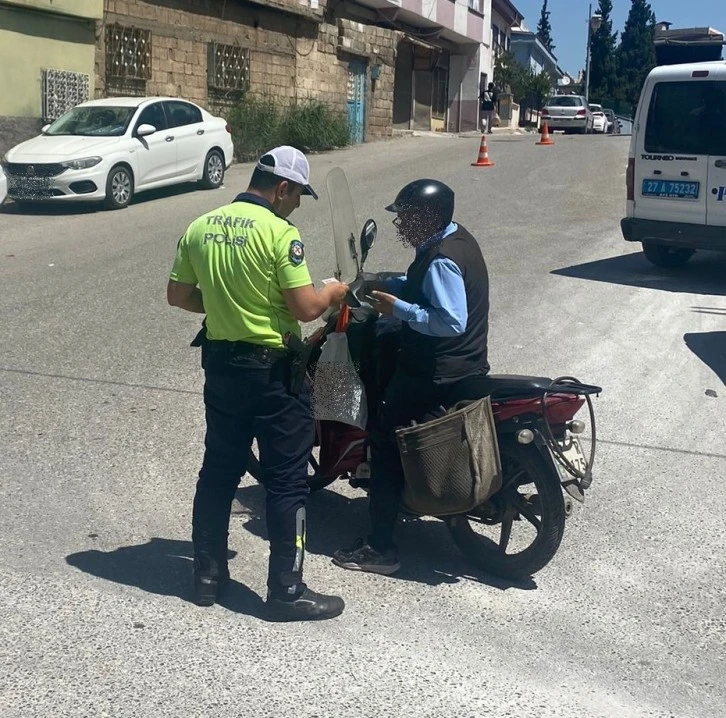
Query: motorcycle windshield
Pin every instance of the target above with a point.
(345, 229)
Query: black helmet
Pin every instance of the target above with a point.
(430, 194)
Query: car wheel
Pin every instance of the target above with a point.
(119, 188)
(213, 174)
(666, 257)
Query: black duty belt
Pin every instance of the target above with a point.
(260, 353)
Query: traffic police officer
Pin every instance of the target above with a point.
(243, 265)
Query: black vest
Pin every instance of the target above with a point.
(448, 359)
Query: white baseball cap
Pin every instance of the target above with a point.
(290, 164)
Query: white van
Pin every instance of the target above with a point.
(676, 178)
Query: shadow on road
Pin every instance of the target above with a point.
(710, 348)
(62, 208)
(164, 567)
(428, 554)
(704, 274)
(48, 207)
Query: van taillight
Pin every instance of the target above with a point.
(630, 179)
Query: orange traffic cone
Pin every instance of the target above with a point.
(545, 139)
(483, 159)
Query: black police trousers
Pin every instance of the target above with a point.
(406, 399)
(245, 401)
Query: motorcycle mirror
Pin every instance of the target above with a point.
(367, 238)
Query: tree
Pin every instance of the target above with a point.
(636, 54)
(540, 89)
(544, 29)
(603, 65)
(511, 76)
(529, 89)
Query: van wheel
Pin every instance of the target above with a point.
(667, 257)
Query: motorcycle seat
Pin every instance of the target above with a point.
(499, 386)
(516, 385)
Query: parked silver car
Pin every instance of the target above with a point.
(569, 113)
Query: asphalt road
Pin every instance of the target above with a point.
(101, 437)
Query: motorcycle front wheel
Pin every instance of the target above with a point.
(316, 480)
(518, 531)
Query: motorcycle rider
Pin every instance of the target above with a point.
(443, 304)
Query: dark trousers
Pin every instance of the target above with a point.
(247, 401)
(407, 399)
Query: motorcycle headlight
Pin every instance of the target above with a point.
(83, 164)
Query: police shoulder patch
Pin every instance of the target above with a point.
(297, 252)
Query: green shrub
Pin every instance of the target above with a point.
(255, 123)
(313, 126)
(260, 122)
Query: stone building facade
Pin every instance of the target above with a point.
(212, 51)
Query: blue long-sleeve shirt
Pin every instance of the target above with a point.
(443, 287)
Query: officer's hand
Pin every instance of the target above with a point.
(383, 302)
(336, 292)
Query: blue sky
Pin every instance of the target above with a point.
(569, 21)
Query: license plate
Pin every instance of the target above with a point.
(668, 189)
(28, 187)
(574, 454)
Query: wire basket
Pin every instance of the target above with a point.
(451, 464)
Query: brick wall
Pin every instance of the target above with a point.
(322, 71)
(291, 56)
(180, 37)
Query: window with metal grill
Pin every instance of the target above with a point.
(228, 70)
(128, 59)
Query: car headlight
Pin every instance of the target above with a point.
(83, 164)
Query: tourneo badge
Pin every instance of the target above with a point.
(297, 252)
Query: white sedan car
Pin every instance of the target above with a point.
(110, 149)
(599, 120)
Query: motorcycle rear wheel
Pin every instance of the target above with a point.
(543, 512)
(316, 481)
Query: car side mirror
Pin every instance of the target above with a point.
(145, 130)
(367, 239)
(44, 129)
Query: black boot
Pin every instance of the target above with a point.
(210, 578)
(308, 606)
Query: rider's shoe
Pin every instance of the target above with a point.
(363, 557)
(210, 578)
(308, 606)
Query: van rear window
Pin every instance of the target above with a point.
(687, 118)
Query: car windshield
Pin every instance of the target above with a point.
(596, 108)
(564, 101)
(99, 121)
